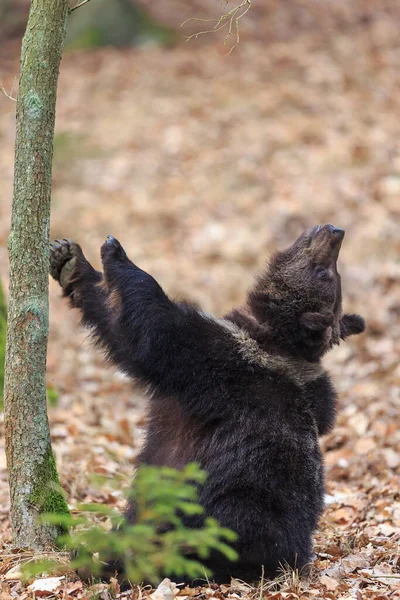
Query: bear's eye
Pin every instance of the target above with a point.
(322, 273)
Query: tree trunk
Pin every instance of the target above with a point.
(3, 329)
(34, 483)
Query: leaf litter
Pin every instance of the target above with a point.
(201, 172)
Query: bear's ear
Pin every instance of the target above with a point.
(351, 325)
(316, 321)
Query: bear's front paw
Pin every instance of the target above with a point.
(63, 258)
(112, 249)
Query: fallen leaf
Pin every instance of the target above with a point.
(46, 586)
(14, 573)
(73, 586)
(352, 562)
(342, 515)
(386, 529)
(392, 458)
(166, 590)
(364, 445)
(328, 582)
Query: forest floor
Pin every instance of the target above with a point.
(203, 163)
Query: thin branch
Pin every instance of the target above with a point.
(230, 20)
(372, 576)
(9, 96)
(237, 25)
(78, 5)
(12, 87)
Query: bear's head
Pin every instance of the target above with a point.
(298, 299)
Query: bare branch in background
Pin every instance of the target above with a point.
(8, 95)
(78, 5)
(229, 20)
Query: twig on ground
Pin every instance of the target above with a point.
(372, 576)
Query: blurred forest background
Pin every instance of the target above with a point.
(202, 163)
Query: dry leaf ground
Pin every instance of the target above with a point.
(202, 164)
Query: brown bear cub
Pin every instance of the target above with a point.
(245, 396)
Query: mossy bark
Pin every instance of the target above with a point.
(34, 483)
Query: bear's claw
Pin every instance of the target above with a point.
(112, 241)
(112, 249)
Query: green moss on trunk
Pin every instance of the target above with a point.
(47, 495)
